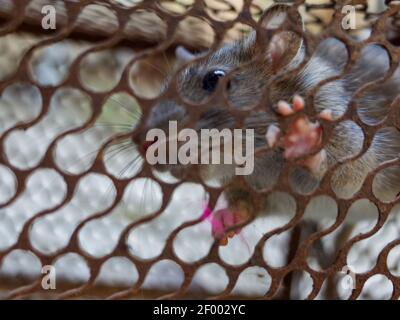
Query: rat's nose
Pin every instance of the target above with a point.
(146, 144)
(142, 143)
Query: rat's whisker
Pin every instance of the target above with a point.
(124, 126)
(121, 151)
(143, 196)
(109, 155)
(129, 165)
(170, 69)
(134, 113)
(115, 145)
(155, 68)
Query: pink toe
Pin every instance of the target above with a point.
(222, 220)
(284, 108)
(206, 213)
(298, 103)
(217, 228)
(326, 115)
(272, 135)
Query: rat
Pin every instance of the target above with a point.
(247, 68)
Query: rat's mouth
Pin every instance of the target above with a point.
(178, 171)
(175, 146)
(210, 151)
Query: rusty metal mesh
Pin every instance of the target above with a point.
(71, 195)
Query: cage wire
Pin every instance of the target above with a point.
(76, 193)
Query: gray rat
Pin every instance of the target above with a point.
(246, 70)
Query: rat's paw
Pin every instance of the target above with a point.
(302, 138)
(224, 219)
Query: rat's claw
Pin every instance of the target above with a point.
(285, 109)
(298, 103)
(303, 137)
(326, 114)
(272, 135)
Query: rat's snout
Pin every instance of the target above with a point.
(142, 143)
(146, 144)
(159, 118)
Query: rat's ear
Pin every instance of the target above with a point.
(183, 55)
(284, 44)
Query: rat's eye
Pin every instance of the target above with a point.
(210, 80)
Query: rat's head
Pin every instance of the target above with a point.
(245, 67)
(241, 70)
